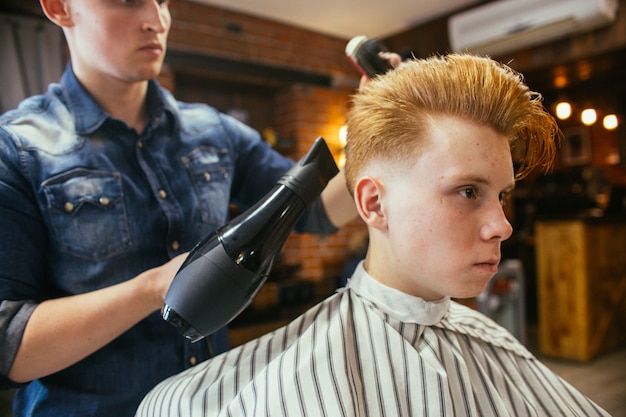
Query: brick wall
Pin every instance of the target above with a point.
(226, 34)
(311, 112)
(301, 112)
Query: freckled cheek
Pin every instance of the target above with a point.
(419, 232)
(453, 226)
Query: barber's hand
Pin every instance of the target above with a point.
(391, 57)
(162, 276)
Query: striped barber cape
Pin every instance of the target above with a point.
(370, 350)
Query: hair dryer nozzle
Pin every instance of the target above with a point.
(223, 273)
(312, 173)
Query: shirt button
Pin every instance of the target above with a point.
(69, 207)
(175, 245)
(104, 200)
(193, 361)
(162, 194)
(206, 176)
(139, 144)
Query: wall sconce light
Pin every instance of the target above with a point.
(588, 117)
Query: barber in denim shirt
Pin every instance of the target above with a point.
(106, 181)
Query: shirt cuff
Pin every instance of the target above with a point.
(315, 220)
(14, 316)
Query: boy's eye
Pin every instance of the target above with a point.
(469, 192)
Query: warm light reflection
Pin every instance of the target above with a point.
(560, 81)
(343, 135)
(341, 162)
(584, 70)
(560, 77)
(610, 122)
(588, 117)
(563, 110)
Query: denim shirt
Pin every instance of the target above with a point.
(86, 202)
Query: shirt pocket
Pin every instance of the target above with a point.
(209, 168)
(87, 213)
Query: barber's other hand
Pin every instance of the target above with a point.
(391, 57)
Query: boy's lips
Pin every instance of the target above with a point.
(490, 265)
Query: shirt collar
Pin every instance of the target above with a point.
(402, 306)
(89, 116)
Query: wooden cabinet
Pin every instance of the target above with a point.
(581, 283)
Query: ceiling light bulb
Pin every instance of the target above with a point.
(588, 117)
(563, 110)
(610, 122)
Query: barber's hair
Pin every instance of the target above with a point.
(391, 115)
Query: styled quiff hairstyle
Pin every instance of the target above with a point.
(390, 116)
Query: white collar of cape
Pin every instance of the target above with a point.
(442, 313)
(401, 306)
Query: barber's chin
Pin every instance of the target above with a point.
(148, 70)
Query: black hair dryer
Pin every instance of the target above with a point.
(223, 273)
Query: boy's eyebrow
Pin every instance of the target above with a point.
(477, 179)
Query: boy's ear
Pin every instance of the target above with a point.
(58, 11)
(368, 196)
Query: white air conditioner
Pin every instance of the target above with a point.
(507, 25)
